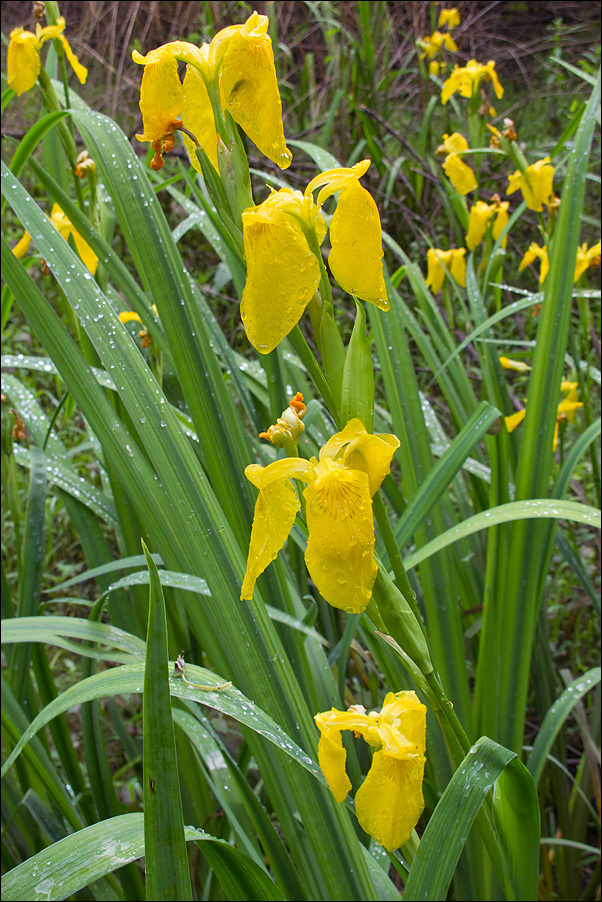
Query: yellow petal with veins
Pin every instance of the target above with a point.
(332, 757)
(356, 241)
(197, 116)
(161, 96)
(275, 511)
(340, 547)
(460, 174)
(390, 801)
(372, 454)
(249, 85)
(282, 272)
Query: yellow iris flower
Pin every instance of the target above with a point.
(535, 252)
(439, 261)
(389, 801)
(566, 410)
(23, 59)
(431, 46)
(458, 172)
(466, 79)
(480, 216)
(65, 228)
(586, 258)
(239, 66)
(449, 17)
(535, 184)
(282, 238)
(340, 485)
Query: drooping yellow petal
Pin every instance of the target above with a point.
(23, 60)
(161, 94)
(535, 183)
(515, 420)
(356, 241)
(477, 223)
(78, 68)
(390, 801)
(282, 272)
(22, 246)
(437, 263)
(66, 228)
(340, 548)
(460, 174)
(197, 116)
(331, 758)
(249, 85)
(535, 252)
(275, 511)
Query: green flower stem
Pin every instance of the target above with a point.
(312, 366)
(51, 102)
(401, 577)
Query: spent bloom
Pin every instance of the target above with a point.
(481, 214)
(458, 172)
(441, 263)
(389, 801)
(340, 485)
(65, 228)
(282, 238)
(236, 70)
(467, 79)
(535, 184)
(23, 58)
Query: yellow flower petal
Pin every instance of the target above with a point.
(477, 223)
(282, 272)
(517, 365)
(128, 316)
(161, 95)
(460, 174)
(437, 263)
(23, 60)
(372, 454)
(275, 511)
(197, 116)
(22, 246)
(515, 420)
(356, 241)
(587, 258)
(249, 85)
(449, 17)
(466, 80)
(340, 548)
(390, 801)
(66, 228)
(332, 757)
(80, 71)
(535, 252)
(535, 183)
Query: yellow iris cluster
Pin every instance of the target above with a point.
(234, 73)
(282, 238)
